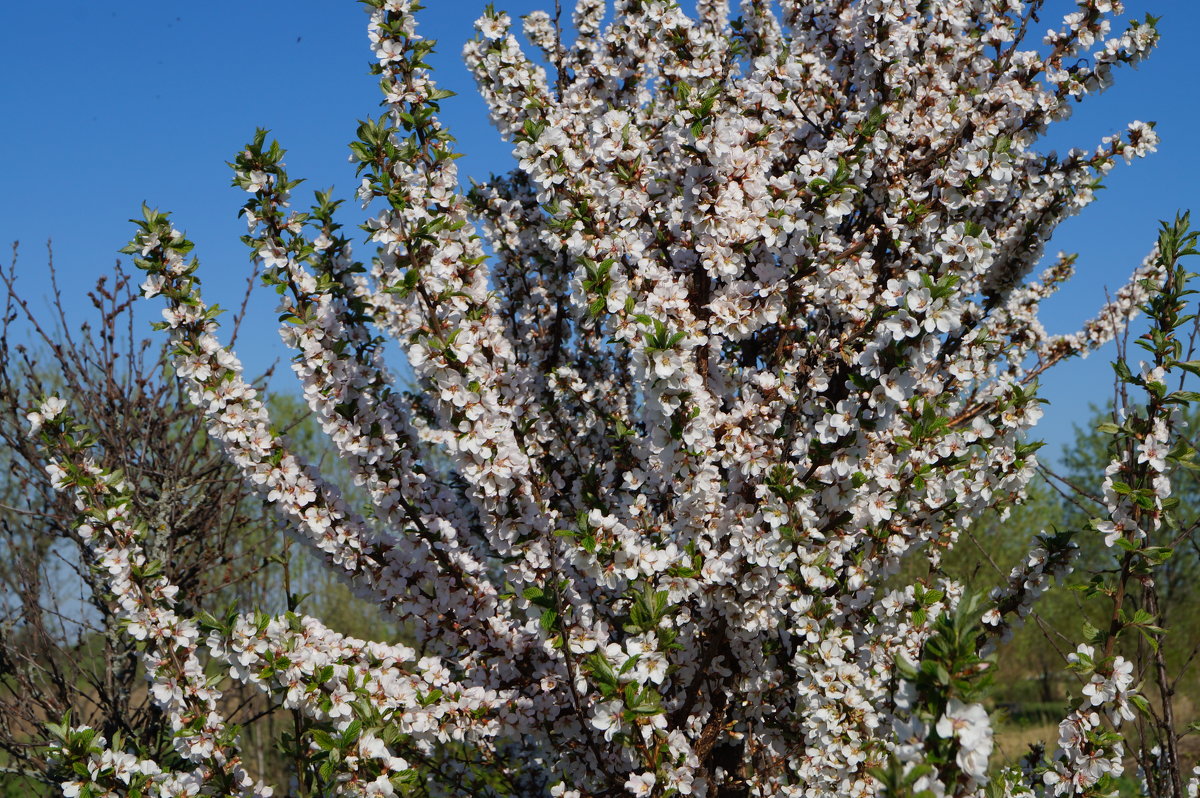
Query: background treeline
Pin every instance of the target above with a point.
(61, 647)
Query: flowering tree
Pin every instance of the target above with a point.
(750, 327)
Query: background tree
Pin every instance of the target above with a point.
(62, 645)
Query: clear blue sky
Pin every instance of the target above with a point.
(109, 104)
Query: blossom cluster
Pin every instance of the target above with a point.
(1051, 558)
(1088, 750)
(749, 328)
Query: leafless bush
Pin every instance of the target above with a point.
(60, 646)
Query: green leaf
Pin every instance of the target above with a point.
(600, 670)
(350, 735)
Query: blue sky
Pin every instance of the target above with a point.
(111, 104)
